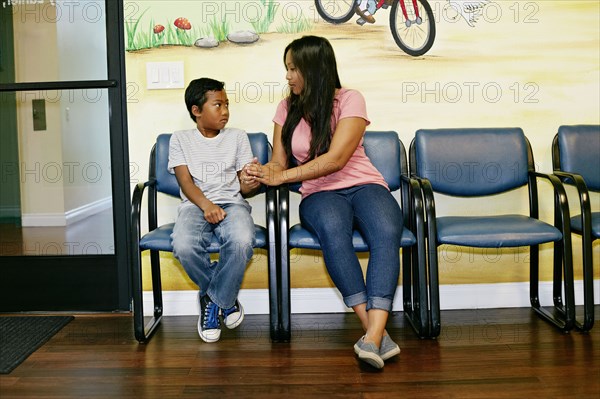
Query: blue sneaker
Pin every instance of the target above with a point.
(209, 326)
(233, 316)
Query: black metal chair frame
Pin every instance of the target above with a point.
(578, 182)
(144, 331)
(562, 313)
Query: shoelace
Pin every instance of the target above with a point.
(211, 316)
(229, 311)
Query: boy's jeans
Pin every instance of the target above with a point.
(371, 208)
(192, 235)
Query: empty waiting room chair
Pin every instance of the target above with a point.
(576, 160)
(483, 163)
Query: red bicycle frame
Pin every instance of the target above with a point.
(403, 6)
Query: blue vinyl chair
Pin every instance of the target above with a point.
(387, 153)
(576, 161)
(482, 163)
(158, 237)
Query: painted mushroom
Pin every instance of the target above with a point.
(158, 29)
(182, 23)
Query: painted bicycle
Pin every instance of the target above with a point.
(411, 21)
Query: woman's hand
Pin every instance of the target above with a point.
(266, 174)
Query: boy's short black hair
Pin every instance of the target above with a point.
(195, 94)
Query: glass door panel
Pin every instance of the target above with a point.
(59, 40)
(65, 179)
(56, 174)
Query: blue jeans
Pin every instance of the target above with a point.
(191, 237)
(371, 208)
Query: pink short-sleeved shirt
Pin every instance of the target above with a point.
(358, 171)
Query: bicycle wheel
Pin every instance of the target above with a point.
(335, 11)
(414, 35)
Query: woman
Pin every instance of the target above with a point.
(317, 140)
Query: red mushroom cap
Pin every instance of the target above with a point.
(158, 28)
(182, 23)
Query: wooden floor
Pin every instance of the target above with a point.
(494, 353)
(90, 236)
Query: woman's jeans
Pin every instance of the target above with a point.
(191, 237)
(371, 208)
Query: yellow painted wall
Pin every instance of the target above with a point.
(40, 151)
(534, 65)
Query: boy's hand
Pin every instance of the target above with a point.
(249, 183)
(214, 213)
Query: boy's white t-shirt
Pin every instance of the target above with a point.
(212, 162)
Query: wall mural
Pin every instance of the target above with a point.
(411, 22)
(419, 64)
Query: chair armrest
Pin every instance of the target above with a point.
(136, 204)
(412, 199)
(429, 209)
(561, 204)
(283, 192)
(271, 217)
(582, 190)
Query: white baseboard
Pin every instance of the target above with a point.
(87, 210)
(328, 300)
(43, 219)
(64, 219)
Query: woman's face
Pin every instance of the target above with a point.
(293, 75)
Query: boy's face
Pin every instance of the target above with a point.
(214, 114)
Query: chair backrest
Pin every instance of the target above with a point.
(159, 159)
(576, 149)
(387, 153)
(472, 162)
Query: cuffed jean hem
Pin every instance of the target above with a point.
(379, 303)
(355, 299)
(214, 297)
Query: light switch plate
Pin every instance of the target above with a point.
(164, 75)
(39, 114)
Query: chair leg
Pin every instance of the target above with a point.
(143, 332)
(588, 285)
(434, 296)
(562, 315)
(283, 268)
(274, 295)
(285, 322)
(421, 289)
(410, 293)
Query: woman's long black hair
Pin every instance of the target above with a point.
(313, 56)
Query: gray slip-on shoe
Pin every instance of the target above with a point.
(368, 353)
(388, 348)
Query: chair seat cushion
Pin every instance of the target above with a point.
(160, 239)
(302, 238)
(577, 224)
(494, 231)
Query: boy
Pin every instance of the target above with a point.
(208, 164)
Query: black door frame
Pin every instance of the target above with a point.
(83, 282)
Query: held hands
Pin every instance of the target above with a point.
(265, 174)
(246, 180)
